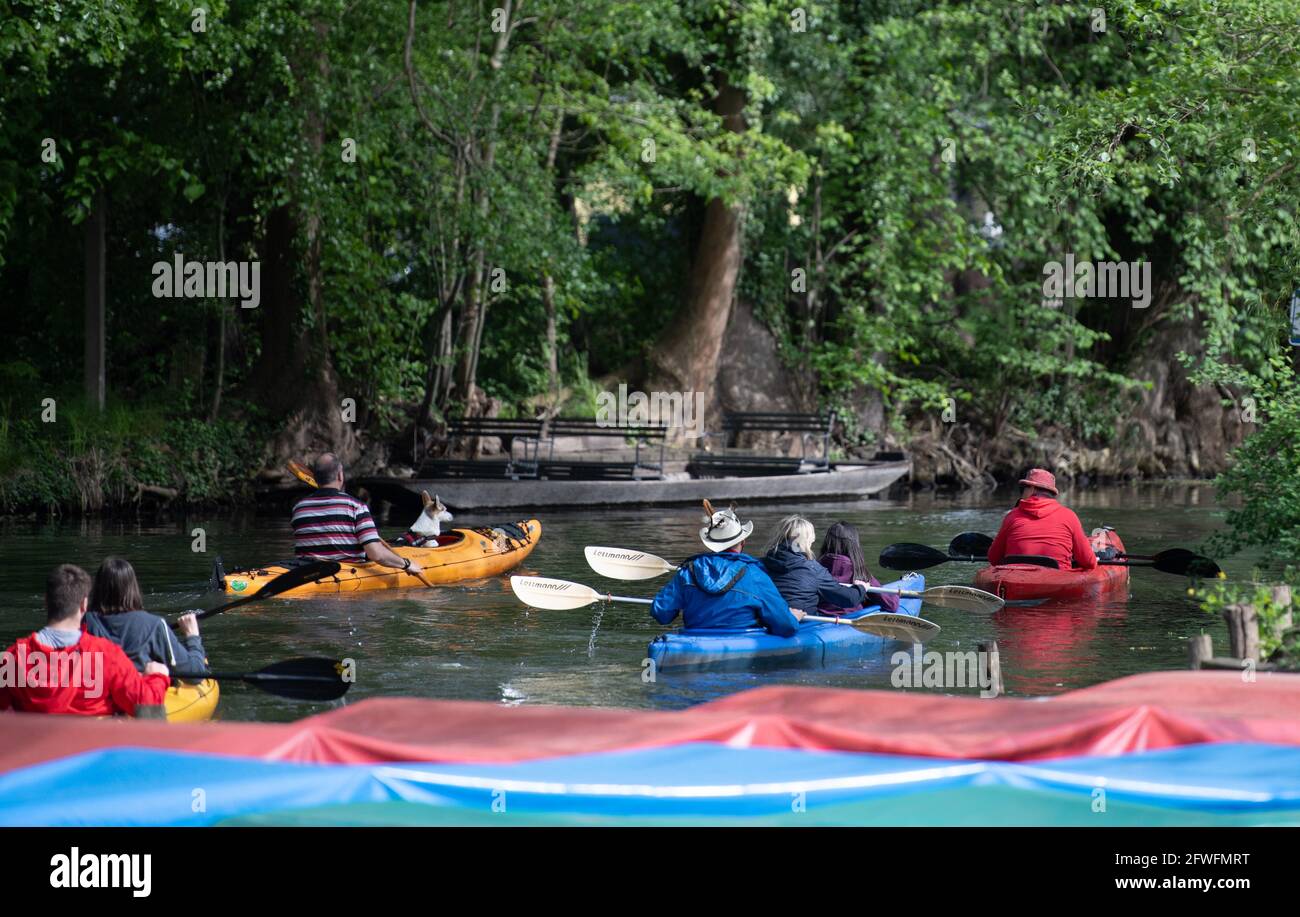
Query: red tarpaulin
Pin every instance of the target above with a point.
(1141, 712)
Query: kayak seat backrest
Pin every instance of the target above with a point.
(1031, 559)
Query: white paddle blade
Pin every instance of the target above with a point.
(897, 627)
(620, 563)
(552, 594)
(963, 598)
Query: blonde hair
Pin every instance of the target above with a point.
(797, 532)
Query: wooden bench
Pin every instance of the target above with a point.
(467, 469)
(809, 427)
(707, 465)
(525, 431)
(594, 469)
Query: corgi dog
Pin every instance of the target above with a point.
(429, 525)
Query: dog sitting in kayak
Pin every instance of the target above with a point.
(428, 526)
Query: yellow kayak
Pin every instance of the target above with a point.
(461, 554)
(192, 701)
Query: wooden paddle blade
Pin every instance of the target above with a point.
(908, 556)
(963, 598)
(897, 627)
(970, 544)
(552, 594)
(622, 564)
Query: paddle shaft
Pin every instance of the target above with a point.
(250, 676)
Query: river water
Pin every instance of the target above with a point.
(475, 641)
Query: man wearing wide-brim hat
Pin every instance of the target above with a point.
(1040, 525)
(725, 587)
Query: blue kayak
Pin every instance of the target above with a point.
(815, 644)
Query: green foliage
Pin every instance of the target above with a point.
(905, 172)
(89, 460)
(1219, 594)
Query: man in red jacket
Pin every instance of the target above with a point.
(62, 669)
(1040, 525)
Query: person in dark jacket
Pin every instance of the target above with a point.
(803, 582)
(63, 669)
(842, 557)
(725, 588)
(117, 613)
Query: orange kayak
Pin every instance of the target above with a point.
(462, 554)
(1026, 581)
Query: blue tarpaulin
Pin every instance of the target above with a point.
(149, 787)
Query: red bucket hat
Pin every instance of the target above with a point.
(1040, 477)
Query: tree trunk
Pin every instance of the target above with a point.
(96, 288)
(686, 357)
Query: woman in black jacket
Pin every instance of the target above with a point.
(117, 612)
(802, 581)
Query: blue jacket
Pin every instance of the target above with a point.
(806, 584)
(724, 590)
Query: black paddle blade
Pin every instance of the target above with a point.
(970, 544)
(1182, 562)
(290, 579)
(308, 678)
(299, 576)
(907, 556)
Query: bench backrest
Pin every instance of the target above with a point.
(585, 426)
(494, 426)
(778, 422)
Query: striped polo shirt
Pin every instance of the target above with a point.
(332, 525)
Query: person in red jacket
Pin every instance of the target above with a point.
(63, 669)
(1041, 526)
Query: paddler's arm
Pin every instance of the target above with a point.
(1084, 558)
(380, 553)
(831, 591)
(668, 600)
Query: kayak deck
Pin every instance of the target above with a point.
(1018, 582)
(192, 701)
(816, 644)
(462, 554)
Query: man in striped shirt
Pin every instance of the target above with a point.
(333, 525)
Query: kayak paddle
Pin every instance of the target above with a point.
(1178, 561)
(306, 678)
(562, 595)
(301, 472)
(290, 579)
(970, 544)
(888, 625)
(619, 563)
(909, 556)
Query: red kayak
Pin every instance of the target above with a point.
(1028, 581)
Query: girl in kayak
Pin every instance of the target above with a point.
(842, 557)
(726, 588)
(802, 581)
(117, 613)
